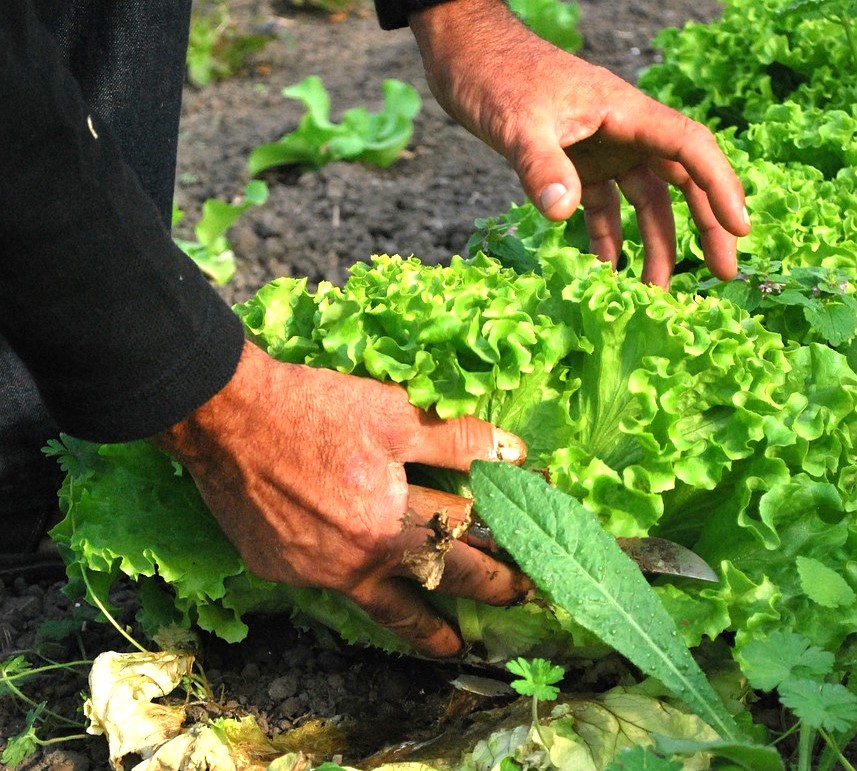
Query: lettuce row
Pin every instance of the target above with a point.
(725, 77)
(785, 117)
(677, 416)
(131, 511)
(799, 219)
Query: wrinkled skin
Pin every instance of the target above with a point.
(576, 133)
(304, 468)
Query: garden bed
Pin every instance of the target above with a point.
(317, 224)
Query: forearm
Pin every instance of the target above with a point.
(120, 330)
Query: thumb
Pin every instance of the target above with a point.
(549, 178)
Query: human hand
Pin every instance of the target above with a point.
(577, 134)
(304, 470)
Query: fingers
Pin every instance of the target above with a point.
(474, 575)
(651, 201)
(425, 502)
(719, 246)
(603, 223)
(456, 443)
(669, 135)
(396, 605)
(713, 178)
(442, 521)
(547, 175)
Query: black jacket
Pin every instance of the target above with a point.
(121, 332)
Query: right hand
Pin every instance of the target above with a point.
(304, 470)
(578, 134)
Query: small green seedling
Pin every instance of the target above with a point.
(216, 48)
(13, 672)
(212, 252)
(373, 138)
(536, 678)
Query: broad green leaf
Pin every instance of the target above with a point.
(751, 757)
(642, 759)
(781, 656)
(562, 547)
(830, 706)
(836, 323)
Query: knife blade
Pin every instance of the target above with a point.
(663, 557)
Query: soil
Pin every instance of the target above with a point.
(315, 224)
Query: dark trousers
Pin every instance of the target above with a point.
(128, 57)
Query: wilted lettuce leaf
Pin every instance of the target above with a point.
(588, 733)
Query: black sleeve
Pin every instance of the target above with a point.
(393, 14)
(122, 333)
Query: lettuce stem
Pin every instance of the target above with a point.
(113, 622)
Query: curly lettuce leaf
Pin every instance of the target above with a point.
(671, 415)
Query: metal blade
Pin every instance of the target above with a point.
(658, 555)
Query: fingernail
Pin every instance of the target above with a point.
(508, 447)
(745, 216)
(551, 194)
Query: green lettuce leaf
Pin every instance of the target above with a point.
(374, 138)
(662, 414)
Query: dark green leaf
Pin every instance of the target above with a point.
(780, 656)
(835, 322)
(642, 759)
(564, 549)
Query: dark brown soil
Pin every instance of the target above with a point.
(316, 224)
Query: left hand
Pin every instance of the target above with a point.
(304, 470)
(577, 134)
